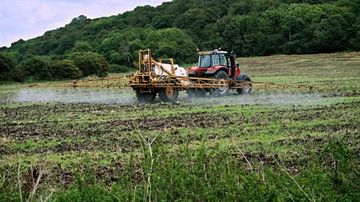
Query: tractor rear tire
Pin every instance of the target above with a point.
(196, 92)
(169, 94)
(244, 91)
(220, 92)
(145, 97)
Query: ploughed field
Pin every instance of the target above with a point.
(267, 145)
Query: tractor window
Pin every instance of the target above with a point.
(216, 60)
(223, 60)
(204, 61)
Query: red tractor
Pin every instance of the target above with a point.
(217, 64)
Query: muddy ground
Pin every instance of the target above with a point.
(61, 132)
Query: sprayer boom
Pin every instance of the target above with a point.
(166, 80)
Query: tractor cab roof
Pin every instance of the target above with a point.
(213, 52)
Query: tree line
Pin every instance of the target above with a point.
(177, 28)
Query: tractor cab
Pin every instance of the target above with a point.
(210, 62)
(212, 58)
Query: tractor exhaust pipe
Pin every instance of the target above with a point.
(232, 64)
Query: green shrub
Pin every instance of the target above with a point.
(6, 66)
(65, 69)
(90, 63)
(35, 67)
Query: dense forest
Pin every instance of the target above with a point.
(176, 29)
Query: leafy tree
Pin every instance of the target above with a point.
(254, 43)
(36, 67)
(262, 5)
(90, 63)
(193, 19)
(352, 6)
(229, 30)
(121, 48)
(115, 57)
(355, 40)
(331, 34)
(6, 66)
(140, 17)
(212, 38)
(78, 20)
(13, 55)
(175, 7)
(241, 8)
(293, 22)
(161, 21)
(82, 46)
(242, 34)
(106, 23)
(17, 74)
(62, 69)
(270, 25)
(66, 42)
(171, 42)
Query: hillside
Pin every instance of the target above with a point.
(175, 29)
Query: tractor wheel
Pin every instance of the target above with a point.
(145, 97)
(196, 92)
(244, 91)
(220, 92)
(169, 94)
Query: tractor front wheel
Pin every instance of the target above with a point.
(169, 94)
(221, 91)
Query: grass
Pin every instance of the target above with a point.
(94, 145)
